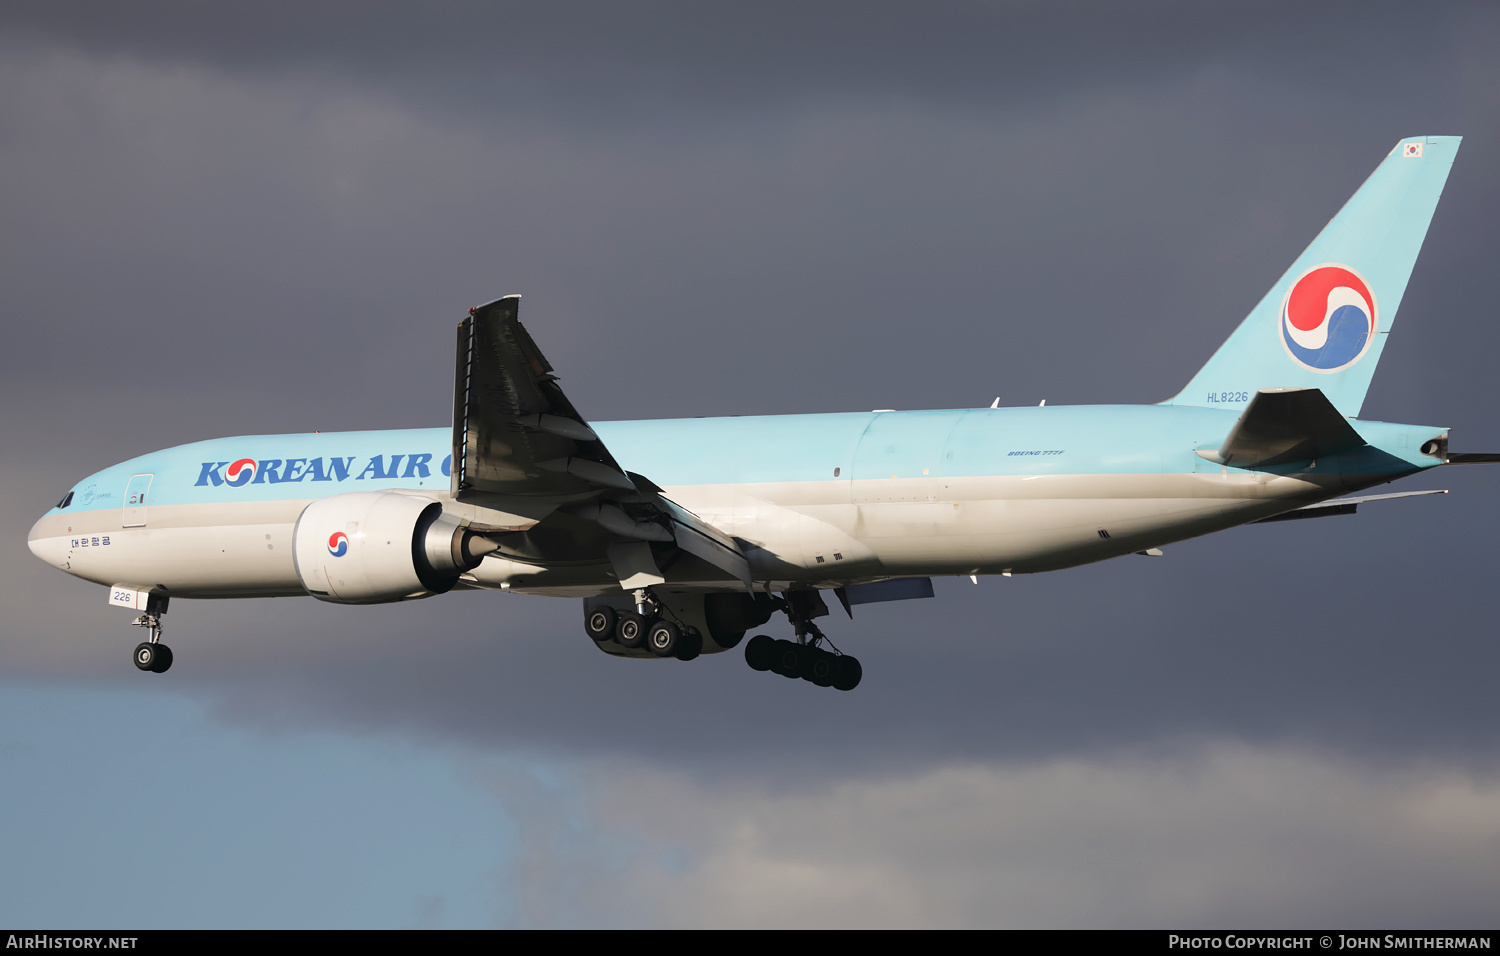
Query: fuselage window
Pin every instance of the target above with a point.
(67, 500)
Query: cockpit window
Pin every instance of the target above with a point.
(67, 500)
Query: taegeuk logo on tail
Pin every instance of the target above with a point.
(1328, 320)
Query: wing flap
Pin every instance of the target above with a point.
(891, 589)
(701, 539)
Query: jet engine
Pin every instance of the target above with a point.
(374, 547)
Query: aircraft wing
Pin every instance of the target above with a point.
(519, 445)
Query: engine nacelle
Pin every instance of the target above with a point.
(374, 547)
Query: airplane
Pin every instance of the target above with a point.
(683, 535)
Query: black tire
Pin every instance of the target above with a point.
(777, 647)
(662, 638)
(847, 672)
(788, 660)
(760, 652)
(599, 622)
(630, 629)
(818, 667)
(163, 659)
(691, 644)
(145, 655)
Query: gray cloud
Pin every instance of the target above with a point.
(1218, 836)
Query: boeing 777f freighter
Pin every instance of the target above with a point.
(682, 535)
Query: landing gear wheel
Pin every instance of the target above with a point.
(630, 629)
(847, 672)
(662, 638)
(788, 659)
(153, 657)
(818, 667)
(760, 653)
(600, 623)
(691, 644)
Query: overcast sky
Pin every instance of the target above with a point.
(267, 219)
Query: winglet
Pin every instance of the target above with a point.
(514, 431)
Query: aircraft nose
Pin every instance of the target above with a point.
(49, 548)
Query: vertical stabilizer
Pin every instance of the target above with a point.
(1324, 324)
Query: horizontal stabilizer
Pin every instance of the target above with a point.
(1472, 458)
(1284, 425)
(1344, 506)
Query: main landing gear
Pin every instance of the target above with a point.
(644, 627)
(805, 657)
(152, 655)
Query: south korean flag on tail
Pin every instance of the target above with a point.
(1411, 150)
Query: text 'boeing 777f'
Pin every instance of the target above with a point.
(680, 536)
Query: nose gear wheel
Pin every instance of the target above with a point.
(152, 655)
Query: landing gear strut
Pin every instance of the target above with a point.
(152, 655)
(805, 657)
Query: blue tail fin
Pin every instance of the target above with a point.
(1323, 324)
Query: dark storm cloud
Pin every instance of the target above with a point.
(249, 221)
(594, 58)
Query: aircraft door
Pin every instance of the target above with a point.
(136, 494)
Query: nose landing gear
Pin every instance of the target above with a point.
(152, 655)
